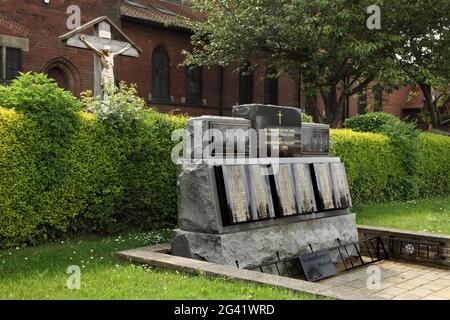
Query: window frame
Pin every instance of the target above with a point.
(270, 87)
(198, 80)
(362, 101)
(245, 85)
(165, 69)
(4, 65)
(378, 92)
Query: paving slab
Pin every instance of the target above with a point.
(398, 280)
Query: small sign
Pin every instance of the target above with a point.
(317, 265)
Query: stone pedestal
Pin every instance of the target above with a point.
(204, 236)
(251, 248)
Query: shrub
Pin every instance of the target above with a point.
(370, 122)
(150, 176)
(405, 144)
(84, 200)
(55, 113)
(403, 138)
(307, 118)
(98, 178)
(374, 170)
(120, 110)
(434, 165)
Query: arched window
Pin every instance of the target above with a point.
(271, 86)
(193, 85)
(245, 85)
(160, 75)
(378, 97)
(64, 73)
(59, 76)
(362, 104)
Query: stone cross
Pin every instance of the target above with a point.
(104, 58)
(280, 116)
(105, 49)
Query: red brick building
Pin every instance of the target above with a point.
(29, 41)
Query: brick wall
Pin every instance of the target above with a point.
(44, 23)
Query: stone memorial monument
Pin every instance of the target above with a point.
(259, 209)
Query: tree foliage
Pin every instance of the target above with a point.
(327, 42)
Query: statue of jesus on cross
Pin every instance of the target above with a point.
(107, 60)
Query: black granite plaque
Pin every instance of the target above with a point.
(304, 190)
(317, 265)
(324, 186)
(285, 190)
(281, 127)
(235, 137)
(203, 134)
(315, 139)
(260, 193)
(341, 190)
(237, 194)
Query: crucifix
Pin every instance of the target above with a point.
(107, 43)
(280, 116)
(107, 61)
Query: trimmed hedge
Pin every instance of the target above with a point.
(374, 170)
(111, 182)
(434, 165)
(66, 172)
(370, 122)
(377, 172)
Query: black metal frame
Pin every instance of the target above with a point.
(374, 247)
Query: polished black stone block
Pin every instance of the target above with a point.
(281, 128)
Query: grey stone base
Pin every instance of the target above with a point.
(255, 247)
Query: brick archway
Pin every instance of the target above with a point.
(65, 73)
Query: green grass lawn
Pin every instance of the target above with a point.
(428, 215)
(40, 273)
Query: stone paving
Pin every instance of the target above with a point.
(399, 281)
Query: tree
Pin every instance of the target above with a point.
(327, 42)
(425, 57)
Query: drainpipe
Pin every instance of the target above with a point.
(221, 99)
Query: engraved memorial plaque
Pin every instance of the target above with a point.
(342, 199)
(324, 186)
(281, 128)
(304, 190)
(315, 139)
(237, 195)
(209, 137)
(317, 265)
(260, 193)
(285, 190)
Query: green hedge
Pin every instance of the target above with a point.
(370, 122)
(65, 172)
(434, 165)
(111, 182)
(374, 170)
(377, 171)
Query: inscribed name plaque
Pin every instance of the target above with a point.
(260, 193)
(315, 139)
(317, 265)
(324, 186)
(281, 128)
(237, 194)
(203, 135)
(285, 190)
(304, 191)
(342, 199)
